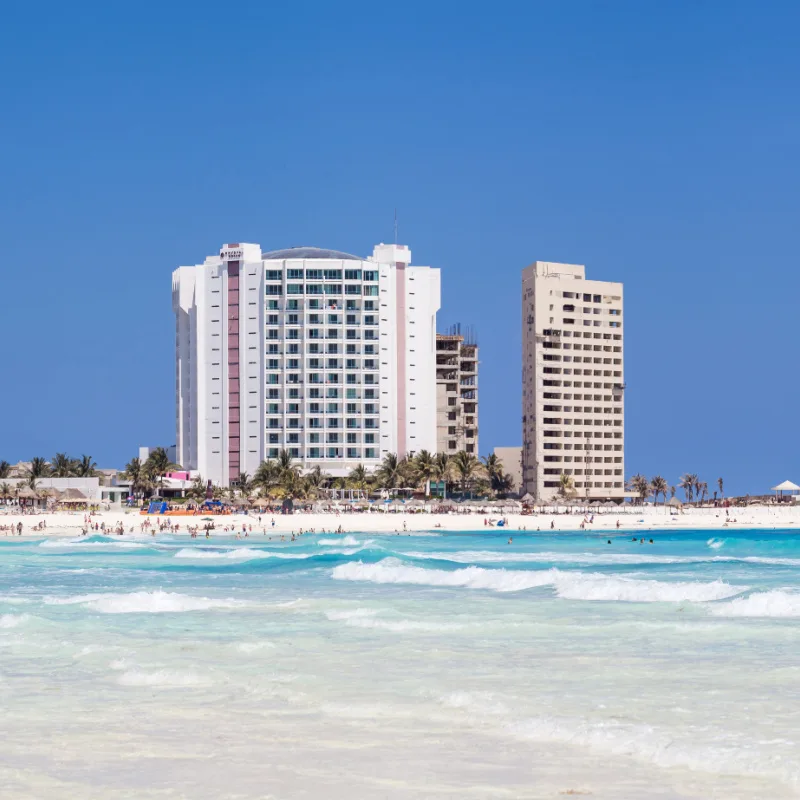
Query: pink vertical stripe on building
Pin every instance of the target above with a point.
(400, 294)
(234, 463)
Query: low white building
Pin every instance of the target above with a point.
(90, 487)
(326, 354)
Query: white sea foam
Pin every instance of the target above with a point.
(775, 603)
(252, 647)
(715, 544)
(478, 703)
(85, 544)
(236, 554)
(344, 541)
(91, 649)
(13, 600)
(162, 678)
(368, 618)
(568, 585)
(653, 745)
(289, 603)
(589, 559)
(391, 570)
(153, 602)
(662, 747)
(577, 586)
(12, 620)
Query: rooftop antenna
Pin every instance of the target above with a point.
(395, 226)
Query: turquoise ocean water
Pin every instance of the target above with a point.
(443, 665)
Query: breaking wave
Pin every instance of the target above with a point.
(156, 602)
(589, 559)
(12, 620)
(567, 585)
(345, 541)
(368, 618)
(237, 554)
(775, 603)
(91, 542)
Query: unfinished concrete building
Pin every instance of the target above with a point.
(456, 392)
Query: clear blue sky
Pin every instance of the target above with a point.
(657, 143)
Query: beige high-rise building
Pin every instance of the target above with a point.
(456, 393)
(573, 383)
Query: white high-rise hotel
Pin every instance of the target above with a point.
(326, 354)
(573, 383)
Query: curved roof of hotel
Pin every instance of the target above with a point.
(308, 252)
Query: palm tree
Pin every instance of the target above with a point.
(5, 469)
(494, 470)
(702, 488)
(639, 484)
(687, 483)
(698, 487)
(671, 492)
(443, 470)
(266, 476)
(504, 484)
(85, 467)
(197, 491)
(425, 469)
(288, 471)
(157, 465)
(467, 467)
(292, 484)
(659, 486)
(317, 480)
(133, 472)
(6, 491)
(38, 468)
(359, 477)
(566, 485)
(720, 484)
(61, 466)
(245, 485)
(389, 472)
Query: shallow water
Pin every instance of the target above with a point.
(362, 666)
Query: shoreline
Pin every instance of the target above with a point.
(760, 518)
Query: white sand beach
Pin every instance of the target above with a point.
(771, 517)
